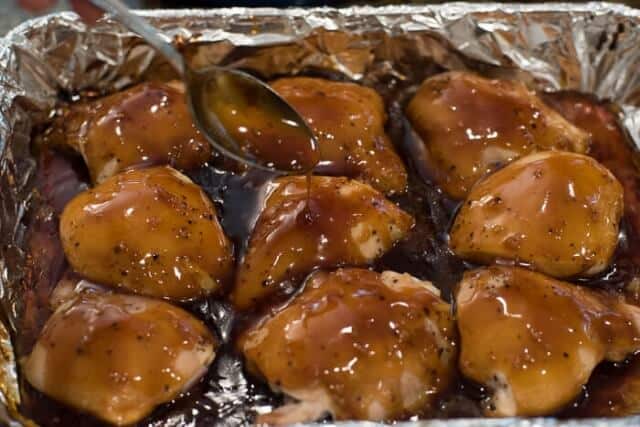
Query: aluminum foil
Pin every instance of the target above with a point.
(593, 47)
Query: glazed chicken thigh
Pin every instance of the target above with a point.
(534, 341)
(558, 212)
(336, 222)
(471, 126)
(148, 124)
(118, 356)
(609, 146)
(356, 344)
(150, 231)
(348, 121)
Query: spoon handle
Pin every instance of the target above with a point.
(147, 31)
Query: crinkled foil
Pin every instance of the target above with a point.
(592, 47)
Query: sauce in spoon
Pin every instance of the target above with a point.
(242, 116)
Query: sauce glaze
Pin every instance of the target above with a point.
(358, 344)
(150, 231)
(331, 222)
(472, 126)
(558, 212)
(148, 124)
(348, 121)
(534, 340)
(118, 356)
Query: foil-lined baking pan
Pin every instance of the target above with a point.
(592, 47)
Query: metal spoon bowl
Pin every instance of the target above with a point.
(226, 104)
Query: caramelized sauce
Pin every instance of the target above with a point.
(610, 146)
(565, 226)
(537, 333)
(228, 395)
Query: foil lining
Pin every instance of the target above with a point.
(592, 47)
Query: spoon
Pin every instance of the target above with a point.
(241, 116)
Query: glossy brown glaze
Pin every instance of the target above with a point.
(148, 124)
(556, 211)
(336, 222)
(534, 341)
(118, 356)
(262, 130)
(348, 121)
(356, 344)
(472, 126)
(150, 231)
(610, 146)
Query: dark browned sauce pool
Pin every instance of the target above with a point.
(227, 395)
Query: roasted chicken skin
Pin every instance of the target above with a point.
(356, 344)
(117, 356)
(147, 124)
(149, 231)
(348, 121)
(471, 126)
(336, 222)
(558, 212)
(534, 341)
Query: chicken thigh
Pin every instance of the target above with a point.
(150, 231)
(348, 121)
(335, 222)
(148, 124)
(116, 356)
(558, 212)
(610, 146)
(534, 341)
(356, 344)
(471, 126)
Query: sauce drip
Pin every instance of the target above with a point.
(348, 121)
(251, 125)
(307, 209)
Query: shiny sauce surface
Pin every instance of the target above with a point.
(348, 323)
(322, 222)
(128, 354)
(153, 115)
(230, 395)
(473, 126)
(348, 121)
(144, 231)
(539, 334)
(248, 123)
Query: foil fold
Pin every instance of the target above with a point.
(592, 47)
